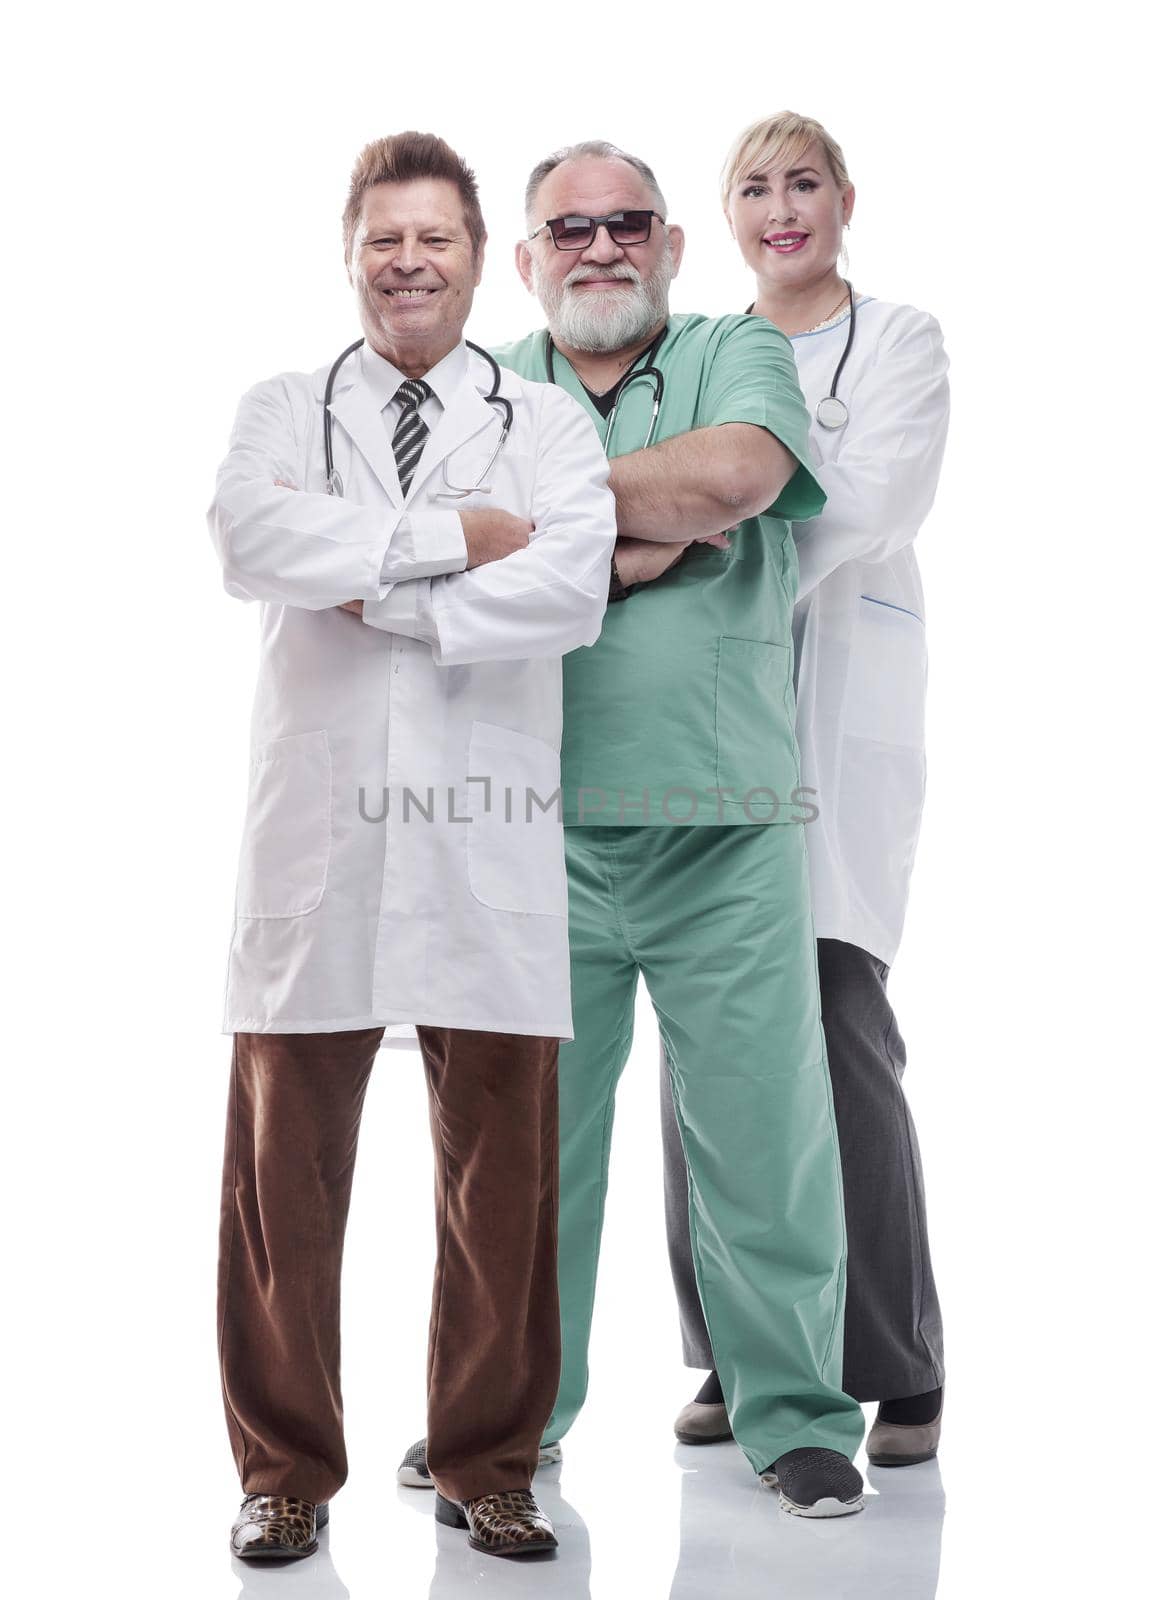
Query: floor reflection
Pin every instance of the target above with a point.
(735, 1544)
(313, 1579)
(459, 1570)
(735, 1540)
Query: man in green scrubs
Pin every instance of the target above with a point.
(686, 857)
(682, 810)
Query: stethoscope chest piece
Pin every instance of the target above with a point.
(831, 413)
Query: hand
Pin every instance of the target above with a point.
(643, 560)
(491, 535)
(719, 540)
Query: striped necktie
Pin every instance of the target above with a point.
(411, 433)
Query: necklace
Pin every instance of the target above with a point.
(824, 321)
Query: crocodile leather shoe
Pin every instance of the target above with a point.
(901, 1444)
(510, 1524)
(698, 1423)
(275, 1527)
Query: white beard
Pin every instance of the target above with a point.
(602, 320)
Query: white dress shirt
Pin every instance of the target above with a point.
(441, 380)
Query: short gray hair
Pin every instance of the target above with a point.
(603, 151)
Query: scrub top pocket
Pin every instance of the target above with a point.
(754, 717)
(284, 859)
(515, 848)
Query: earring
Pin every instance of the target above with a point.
(844, 253)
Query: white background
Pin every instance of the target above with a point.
(174, 199)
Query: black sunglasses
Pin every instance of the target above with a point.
(577, 233)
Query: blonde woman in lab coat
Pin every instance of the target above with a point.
(860, 669)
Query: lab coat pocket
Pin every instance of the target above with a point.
(754, 723)
(884, 698)
(284, 860)
(515, 842)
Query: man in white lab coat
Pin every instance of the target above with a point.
(402, 866)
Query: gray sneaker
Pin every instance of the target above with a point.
(415, 1474)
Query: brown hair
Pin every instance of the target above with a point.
(403, 158)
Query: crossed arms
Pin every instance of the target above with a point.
(690, 489)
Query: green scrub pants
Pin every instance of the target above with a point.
(718, 920)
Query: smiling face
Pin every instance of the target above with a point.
(415, 270)
(788, 220)
(606, 297)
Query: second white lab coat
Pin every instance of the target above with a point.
(357, 905)
(859, 624)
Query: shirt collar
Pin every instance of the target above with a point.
(444, 379)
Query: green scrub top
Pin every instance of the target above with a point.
(683, 712)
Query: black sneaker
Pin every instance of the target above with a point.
(816, 1483)
(414, 1473)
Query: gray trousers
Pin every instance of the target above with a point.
(892, 1321)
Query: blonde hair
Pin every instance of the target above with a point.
(780, 141)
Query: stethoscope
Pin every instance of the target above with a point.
(832, 413)
(634, 375)
(450, 492)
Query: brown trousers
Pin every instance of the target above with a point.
(293, 1115)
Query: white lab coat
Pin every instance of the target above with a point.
(859, 624)
(452, 678)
